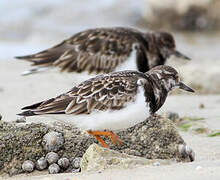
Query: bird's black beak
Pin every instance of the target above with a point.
(184, 87)
(180, 55)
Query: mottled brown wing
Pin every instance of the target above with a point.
(94, 50)
(97, 50)
(104, 92)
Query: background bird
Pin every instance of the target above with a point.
(112, 101)
(106, 50)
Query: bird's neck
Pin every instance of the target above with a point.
(153, 53)
(159, 94)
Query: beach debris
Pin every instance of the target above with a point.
(28, 166)
(52, 157)
(201, 106)
(63, 163)
(53, 169)
(0, 117)
(173, 116)
(53, 141)
(41, 164)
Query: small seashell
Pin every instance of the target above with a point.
(156, 164)
(41, 163)
(182, 149)
(28, 166)
(21, 120)
(198, 167)
(53, 169)
(76, 162)
(186, 151)
(172, 116)
(76, 170)
(201, 106)
(53, 141)
(64, 163)
(52, 157)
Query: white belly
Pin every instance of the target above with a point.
(132, 114)
(130, 63)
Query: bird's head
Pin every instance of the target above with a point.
(167, 78)
(166, 45)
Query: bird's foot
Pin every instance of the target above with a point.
(114, 138)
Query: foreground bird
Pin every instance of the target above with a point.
(112, 101)
(106, 50)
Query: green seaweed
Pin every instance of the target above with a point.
(214, 134)
(185, 127)
(194, 118)
(200, 130)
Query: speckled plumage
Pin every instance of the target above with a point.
(113, 94)
(105, 50)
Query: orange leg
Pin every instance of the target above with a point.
(114, 138)
(101, 141)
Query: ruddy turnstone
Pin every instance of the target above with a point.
(107, 50)
(113, 101)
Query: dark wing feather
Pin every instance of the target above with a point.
(104, 92)
(94, 50)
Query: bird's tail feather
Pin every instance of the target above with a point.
(27, 113)
(47, 57)
(35, 70)
(50, 106)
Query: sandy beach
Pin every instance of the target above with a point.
(28, 28)
(17, 91)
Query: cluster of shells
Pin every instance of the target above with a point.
(53, 141)
(53, 163)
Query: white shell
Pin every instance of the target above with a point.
(52, 157)
(53, 141)
(76, 162)
(64, 163)
(41, 163)
(53, 169)
(28, 166)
